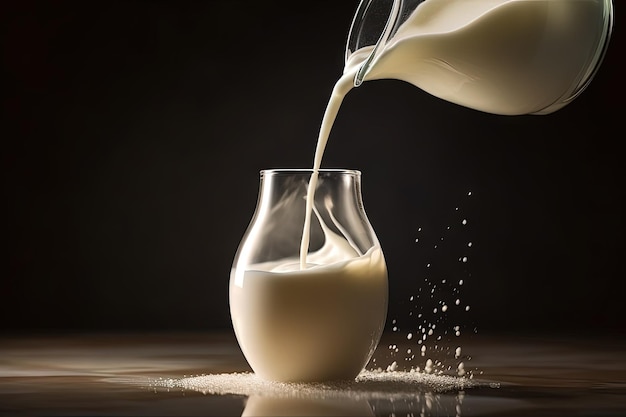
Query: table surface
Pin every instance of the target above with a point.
(159, 374)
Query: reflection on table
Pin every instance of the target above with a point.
(119, 374)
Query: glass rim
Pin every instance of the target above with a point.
(308, 171)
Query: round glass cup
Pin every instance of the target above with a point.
(319, 321)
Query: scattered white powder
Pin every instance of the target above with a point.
(368, 385)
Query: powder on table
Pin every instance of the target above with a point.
(369, 384)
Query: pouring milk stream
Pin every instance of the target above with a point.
(508, 57)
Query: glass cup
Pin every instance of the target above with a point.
(320, 321)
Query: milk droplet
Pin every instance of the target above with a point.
(429, 366)
(457, 353)
(464, 259)
(461, 369)
(469, 244)
(469, 193)
(409, 336)
(457, 301)
(467, 308)
(444, 308)
(393, 367)
(464, 222)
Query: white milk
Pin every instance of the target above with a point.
(342, 87)
(499, 56)
(321, 323)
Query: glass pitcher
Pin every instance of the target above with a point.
(315, 322)
(499, 56)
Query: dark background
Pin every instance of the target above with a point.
(133, 133)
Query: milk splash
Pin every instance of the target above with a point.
(429, 338)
